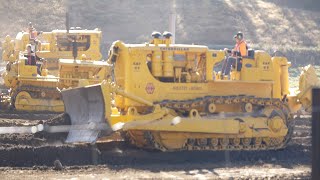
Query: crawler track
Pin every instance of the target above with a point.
(30, 150)
(152, 140)
(34, 151)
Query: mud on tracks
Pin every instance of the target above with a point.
(40, 151)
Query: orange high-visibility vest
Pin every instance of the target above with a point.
(241, 47)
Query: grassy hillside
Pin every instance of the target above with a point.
(291, 26)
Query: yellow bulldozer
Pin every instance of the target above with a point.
(169, 97)
(33, 87)
(54, 45)
(67, 58)
(31, 91)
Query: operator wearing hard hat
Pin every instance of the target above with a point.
(237, 52)
(241, 46)
(32, 32)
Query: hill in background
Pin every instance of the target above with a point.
(291, 26)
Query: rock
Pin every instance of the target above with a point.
(57, 165)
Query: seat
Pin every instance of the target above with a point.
(250, 54)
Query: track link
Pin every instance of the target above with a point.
(147, 139)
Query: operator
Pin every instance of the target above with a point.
(240, 50)
(33, 36)
(32, 32)
(31, 56)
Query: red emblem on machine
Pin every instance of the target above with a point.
(150, 88)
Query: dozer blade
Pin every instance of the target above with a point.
(86, 109)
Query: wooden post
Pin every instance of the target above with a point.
(315, 134)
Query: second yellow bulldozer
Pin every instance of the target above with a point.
(54, 45)
(169, 97)
(32, 89)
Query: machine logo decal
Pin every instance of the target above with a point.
(150, 88)
(174, 49)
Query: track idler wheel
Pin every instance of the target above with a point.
(235, 141)
(248, 108)
(224, 142)
(202, 142)
(194, 113)
(43, 94)
(257, 141)
(211, 108)
(214, 142)
(246, 141)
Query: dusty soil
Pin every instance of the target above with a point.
(31, 156)
(290, 26)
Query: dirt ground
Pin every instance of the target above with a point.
(290, 26)
(41, 156)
